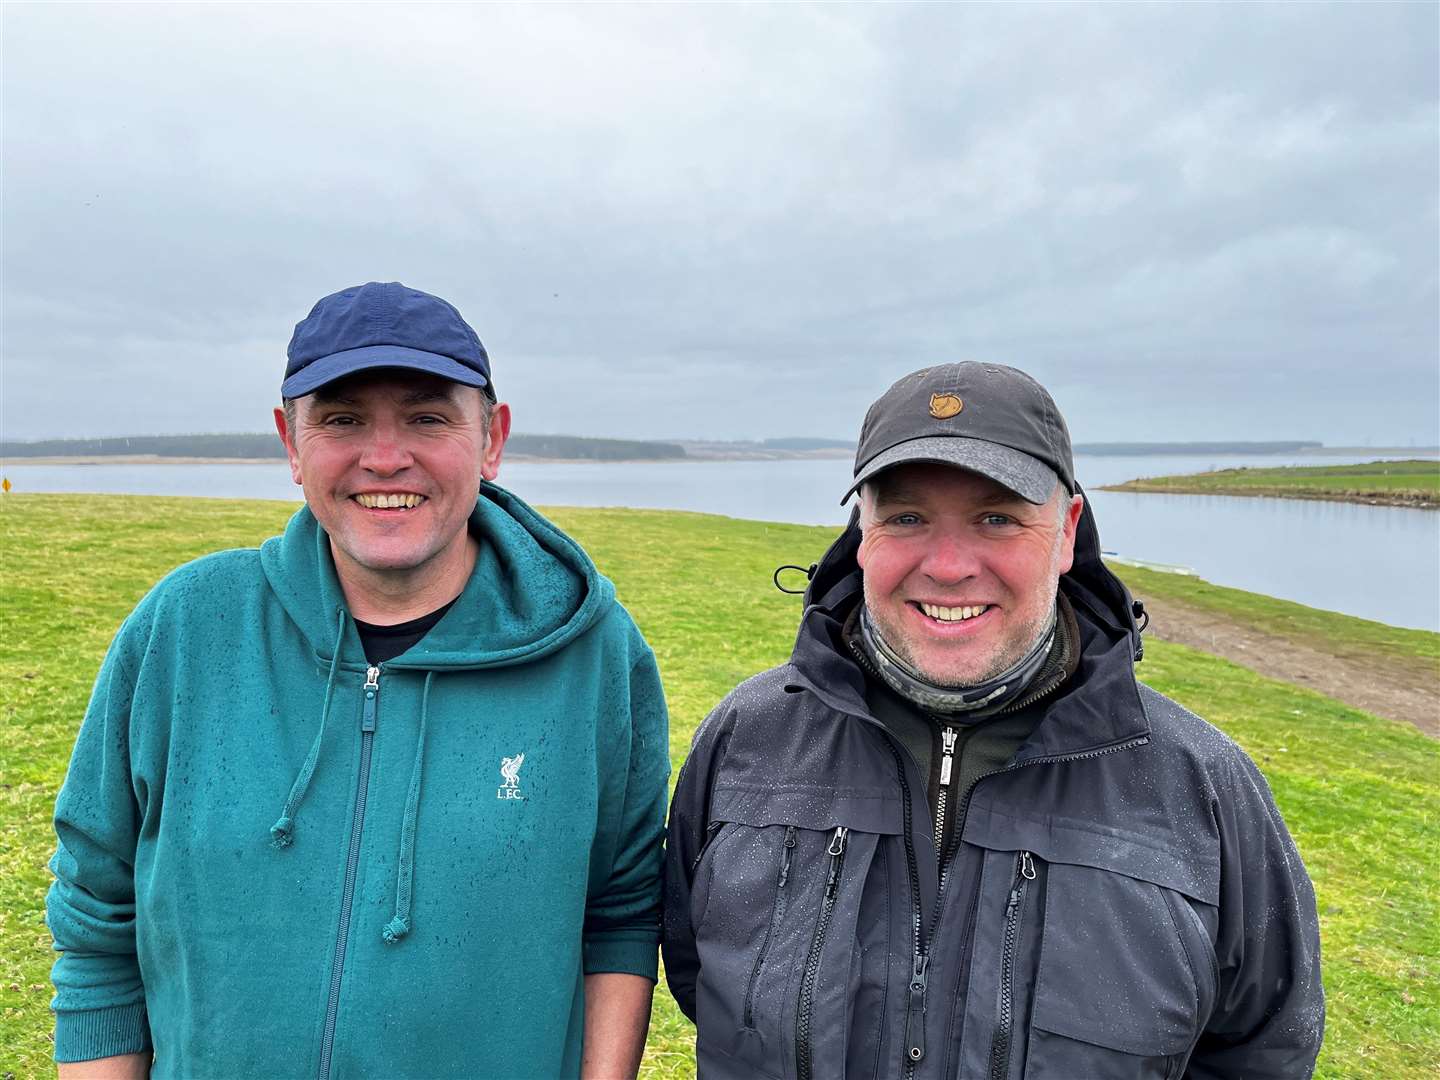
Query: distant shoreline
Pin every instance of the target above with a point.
(156, 459)
(696, 453)
(1415, 503)
(1410, 482)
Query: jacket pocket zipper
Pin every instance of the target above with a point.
(1005, 1020)
(777, 912)
(836, 851)
(710, 832)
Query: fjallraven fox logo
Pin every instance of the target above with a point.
(944, 406)
(510, 771)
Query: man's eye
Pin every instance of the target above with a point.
(429, 420)
(905, 519)
(998, 519)
(339, 421)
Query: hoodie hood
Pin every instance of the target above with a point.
(1104, 610)
(532, 590)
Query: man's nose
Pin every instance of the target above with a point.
(385, 452)
(950, 559)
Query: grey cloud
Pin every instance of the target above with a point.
(728, 222)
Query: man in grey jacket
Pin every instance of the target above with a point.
(954, 836)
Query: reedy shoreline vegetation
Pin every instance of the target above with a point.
(1377, 483)
(1359, 793)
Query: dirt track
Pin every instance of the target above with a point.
(1393, 689)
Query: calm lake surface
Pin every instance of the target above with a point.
(1377, 562)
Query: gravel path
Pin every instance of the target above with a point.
(1391, 688)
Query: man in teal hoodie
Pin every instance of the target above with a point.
(383, 797)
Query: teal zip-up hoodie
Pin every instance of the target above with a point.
(276, 861)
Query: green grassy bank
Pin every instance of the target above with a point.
(1359, 793)
(1397, 483)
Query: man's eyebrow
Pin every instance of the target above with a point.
(895, 492)
(426, 395)
(1004, 498)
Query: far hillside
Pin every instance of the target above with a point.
(262, 446)
(1415, 482)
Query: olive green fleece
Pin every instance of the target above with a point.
(203, 873)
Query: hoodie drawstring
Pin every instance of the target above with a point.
(281, 833)
(399, 926)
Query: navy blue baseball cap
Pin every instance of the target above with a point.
(383, 325)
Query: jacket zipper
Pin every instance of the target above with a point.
(352, 866)
(915, 1009)
(915, 1012)
(942, 797)
(1000, 1048)
(710, 831)
(836, 851)
(776, 914)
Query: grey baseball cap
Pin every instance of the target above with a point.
(988, 418)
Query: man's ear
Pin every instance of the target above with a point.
(288, 439)
(1067, 539)
(495, 441)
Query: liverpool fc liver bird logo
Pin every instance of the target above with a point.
(510, 770)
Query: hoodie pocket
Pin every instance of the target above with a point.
(777, 936)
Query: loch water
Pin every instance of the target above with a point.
(1378, 562)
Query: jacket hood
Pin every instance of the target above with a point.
(532, 590)
(1104, 610)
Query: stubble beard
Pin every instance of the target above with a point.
(1035, 631)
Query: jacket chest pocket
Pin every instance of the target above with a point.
(779, 932)
(1097, 971)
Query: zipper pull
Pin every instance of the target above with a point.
(947, 739)
(835, 851)
(1027, 866)
(785, 856)
(372, 690)
(915, 1010)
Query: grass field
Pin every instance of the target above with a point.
(1399, 483)
(1359, 793)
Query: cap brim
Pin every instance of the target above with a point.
(338, 365)
(1028, 477)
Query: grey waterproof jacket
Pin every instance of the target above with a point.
(1124, 901)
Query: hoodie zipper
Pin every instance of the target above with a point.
(1000, 1048)
(352, 865)
(777, 912)
(836, 851)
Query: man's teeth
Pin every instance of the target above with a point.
(953, 614)
(389, 502)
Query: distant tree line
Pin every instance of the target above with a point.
(210, 446)
(574, 446)
(268, 446)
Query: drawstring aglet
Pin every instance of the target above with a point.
(280, 834)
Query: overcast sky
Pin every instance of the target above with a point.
(1190, 222)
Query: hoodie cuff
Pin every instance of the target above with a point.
(101, 1033)
(623, 955)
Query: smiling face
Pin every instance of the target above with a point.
(391, 464)
(960, 573)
